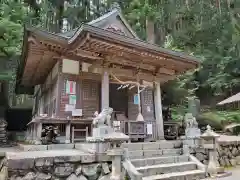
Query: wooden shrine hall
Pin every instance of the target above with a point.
(101, 64)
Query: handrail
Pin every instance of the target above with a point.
(198, 163)
(130, 168)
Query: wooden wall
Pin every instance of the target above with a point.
(147, 104)
(87, 95)
(46, 94)
(132, 108)
(53, 99)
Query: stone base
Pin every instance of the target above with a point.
(101, 131)
(56, 164)
(193, 133)
(93, 148)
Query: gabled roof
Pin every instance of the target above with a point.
(112, 20)
(232, 99)
(109, 35)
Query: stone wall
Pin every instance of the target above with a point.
(228, 152)
(57, 165)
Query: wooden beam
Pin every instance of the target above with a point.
(88, 54)
(154, 58)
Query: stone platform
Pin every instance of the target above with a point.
(55, 164)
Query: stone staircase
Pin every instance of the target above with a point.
(163, 160)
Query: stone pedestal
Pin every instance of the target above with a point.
(3, 132)
(116, 154)
(193, 132)
(38, 133)
(101, 131)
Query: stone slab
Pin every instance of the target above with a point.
(152, 153)
(172, 151)
(159, 160)
(166, 145)
(135, 154)
(24, 147)
(60, 146)
(166, 168)
(133, 146)
(93, 147)
(150, 146)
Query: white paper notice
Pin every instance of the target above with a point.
(77, 112)
(69, 107)
(149, 129)
(116, 123)
(148, 109)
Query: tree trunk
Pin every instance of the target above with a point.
(150, 31)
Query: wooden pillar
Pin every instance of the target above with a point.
(68, 133)
(158, 111)
(38, 132)
(105, 90)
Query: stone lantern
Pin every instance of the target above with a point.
(108, 141)
(115, 139)
(210, 143)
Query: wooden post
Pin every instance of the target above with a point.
(73, 131)
(87, 131)
(68, 133)
(105, 90)
(158, 112)
(129, 133)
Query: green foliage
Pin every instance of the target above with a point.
(229, 116)
(199, 27)
(12, 15)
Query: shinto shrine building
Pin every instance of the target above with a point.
(82, 71)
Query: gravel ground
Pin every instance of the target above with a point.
(235, 174)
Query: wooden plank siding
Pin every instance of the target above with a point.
(132, 108)
(147, 104)
(87, 94)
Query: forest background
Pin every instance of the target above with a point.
(207, 29)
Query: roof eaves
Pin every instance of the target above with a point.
(140, 43)
(22, 61)
(128, 26)
(46, 34)
(103, 17)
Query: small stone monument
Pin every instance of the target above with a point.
(3, 132)
(194, 106)
(108, 141)
(192, 133)
(192, 130)
(102, 123)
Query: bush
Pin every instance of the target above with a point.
(216, 119)
(210, 119)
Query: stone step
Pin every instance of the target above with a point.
(154, 153)
(159, 160)
(185, 175)
(152, 145)
(166, 168)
